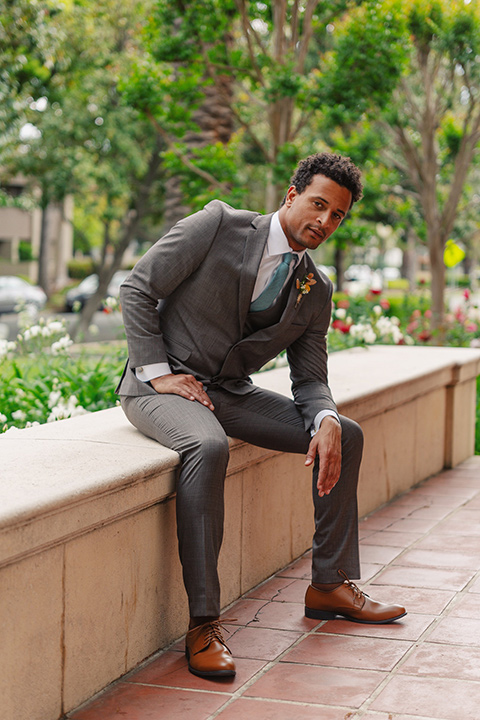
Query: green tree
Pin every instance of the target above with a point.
(268, 58)
(429, 108)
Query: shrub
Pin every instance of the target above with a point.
(78, 269)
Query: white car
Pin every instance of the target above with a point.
(15, 292)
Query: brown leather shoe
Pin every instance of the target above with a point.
(206, 652)
(351, 603)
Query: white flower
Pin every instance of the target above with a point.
(6, 347)
(93, 329)
(56, 326)
(19, 415)
(341, 313)
(377, 309)
(363, 331)
(61, 345)
(53, 398)
(3, 418)
(66, 409)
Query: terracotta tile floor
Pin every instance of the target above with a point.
(423, 550)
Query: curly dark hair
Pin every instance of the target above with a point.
(338, 168)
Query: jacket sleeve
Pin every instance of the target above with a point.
(157, 274)
(308, 360)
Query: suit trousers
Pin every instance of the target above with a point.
(199, 435)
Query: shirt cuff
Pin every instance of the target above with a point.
(317, 421)
(148, 372)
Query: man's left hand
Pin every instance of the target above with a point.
(327, 444)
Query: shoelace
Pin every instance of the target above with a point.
(358, 594)
(214, 632)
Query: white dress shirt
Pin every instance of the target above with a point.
(276, 246)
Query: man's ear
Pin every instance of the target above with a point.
(290, 196)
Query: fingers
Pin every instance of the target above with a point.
(328, 475)
(184, 385)
(327, 444)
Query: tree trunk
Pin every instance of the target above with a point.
(340, 267)
(437, 266)
(132, 221)
(44, 251)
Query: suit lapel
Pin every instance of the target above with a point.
(254, 247)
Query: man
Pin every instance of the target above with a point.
(210, 303)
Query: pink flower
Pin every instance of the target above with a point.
(375, 291)
(466, 294)
(384, 304)
(416, 313)
(428, 314)
(412, 326)
(471, 327)
(343, 304)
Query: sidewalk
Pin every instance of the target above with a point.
(422, 550)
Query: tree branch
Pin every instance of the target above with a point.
(181, 156)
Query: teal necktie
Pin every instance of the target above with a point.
(267, 297)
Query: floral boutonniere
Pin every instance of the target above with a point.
(304, 285)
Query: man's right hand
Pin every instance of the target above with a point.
(185, 385)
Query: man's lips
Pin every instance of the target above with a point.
(318, 233)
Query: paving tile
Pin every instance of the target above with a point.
(294, 592)
(260, 643)
(415, 600)
(437, 487)
(438, 559)
(428, 697)
(419, 525)
(284, 616)
(411, 627)
(267, 710)
(467, 606)
(382, 554)
(142, 702)
(375, 523)
(393, 539)
(348, 652)
(268, 590)
(439, 541)
(457, 631)
(300, 569)
(369, 571)
(313, 684)
(393, 510)
(441, 578)
(437, 660)
(431, 512)
(391, 716)
(475, 586)
(243, 612)
(459, 525)
(173, 674)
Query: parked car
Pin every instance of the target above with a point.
(88, 286)
(15, 292)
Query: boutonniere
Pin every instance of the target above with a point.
(304, 285)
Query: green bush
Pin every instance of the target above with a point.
(25, 252)
(42, 381)
(80, 269)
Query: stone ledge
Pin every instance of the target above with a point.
(90, 576)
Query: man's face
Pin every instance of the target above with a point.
(310, 217)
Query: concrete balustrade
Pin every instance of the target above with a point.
(90, 582)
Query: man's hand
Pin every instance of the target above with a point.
(327, 444)
(184, 385)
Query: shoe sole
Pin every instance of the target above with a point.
(325, 615)
(208, 673)
(212, 673)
